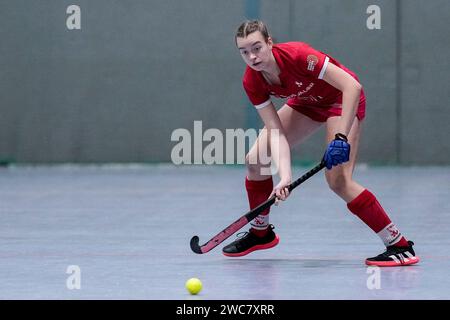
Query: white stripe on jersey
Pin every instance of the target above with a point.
(324, 67)
(264, 104)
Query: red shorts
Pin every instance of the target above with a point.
(322, 113)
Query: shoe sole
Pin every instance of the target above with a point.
(406, 262)
(269, 245)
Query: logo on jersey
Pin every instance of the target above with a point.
(298, 94)
(302, 92)
(312, 61)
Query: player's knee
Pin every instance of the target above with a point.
(253, 167)
(338, 182)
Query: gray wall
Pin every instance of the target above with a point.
(115, 90)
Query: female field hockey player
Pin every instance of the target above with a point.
(319, 90)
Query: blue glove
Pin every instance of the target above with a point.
(338, 151)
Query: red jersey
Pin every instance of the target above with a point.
(301, 71)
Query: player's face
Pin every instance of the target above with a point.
(255, 51)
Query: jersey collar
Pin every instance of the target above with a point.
(280, 64)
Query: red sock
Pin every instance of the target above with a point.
(258, 192)
(369, 210)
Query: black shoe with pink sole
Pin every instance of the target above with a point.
(250, 242)
(395, 256)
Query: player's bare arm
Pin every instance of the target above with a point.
(280, 150)
(351, 90)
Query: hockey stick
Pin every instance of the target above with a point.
(249, 216)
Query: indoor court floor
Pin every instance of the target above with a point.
(127, 228)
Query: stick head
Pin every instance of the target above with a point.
(195, 246)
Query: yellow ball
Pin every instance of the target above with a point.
(194, 285)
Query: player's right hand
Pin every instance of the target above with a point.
(281, 191)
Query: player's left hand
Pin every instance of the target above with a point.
(338, 151)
